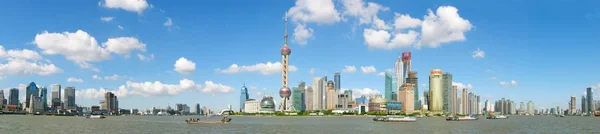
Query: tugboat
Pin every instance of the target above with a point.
(395, 119)
(465, 118)
(224, 120)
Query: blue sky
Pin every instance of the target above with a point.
(548, 49)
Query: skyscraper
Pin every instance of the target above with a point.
(530, 108)
(56, 96)
(1, 98)
(13, 96)
(412, 78)
(427, 100)
(391, 88)
(243, 97)
(285, 91)
(590, 100)
(44, 95)
(298, 99)
(69, 98)
(447, 92)
(31, 90)
(522, 108)
(337, 81)
(197, 109)
(111, 102)
(464, 101)
(406, 95)
(332, 96)
(453, 99)
(318, 93)
(308, 98)
(399, 73)
(436, 89)
(572, 105)
(406, 56)
(583, 104)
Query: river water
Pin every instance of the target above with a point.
(17, 124)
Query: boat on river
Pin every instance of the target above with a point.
(95, 117)
(497, 117)
(395, 119)
(464, 118)
(224, 120)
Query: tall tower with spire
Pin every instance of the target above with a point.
(285, 91)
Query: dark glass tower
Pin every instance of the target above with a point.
(243, 97)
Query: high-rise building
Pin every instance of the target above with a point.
(308, 98)
(406, 56)
(44, 95)
(470, 103)
(522, 108)
(197, 109)
(298, 98)
(590, 100)
(406, 96)
(318, 95)
(69, 98)
(478, 105)
(56, 96)
(31, 90)
(427, 100)
(436, 91)
(447, 92)
(331, 96)
(285, 92)
(337, 81)
(343, 102)
(399, 73)
(35, 105)
(391, 88)
(111, 102)
(13, 96)
(583, 104)
(243, 97)
(572, 105)
(530, 108)
(464, 101)
(412, 78)
(453, 99)
(1, 98)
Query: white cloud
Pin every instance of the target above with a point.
(24, 54)
(184, 66)
(443, 27)
(79, 47)
(510, 83)
(146, 58)
(159, 89)
(90, 93)
(366, 12)
(318, 11)
(264, 68)
(107, 19)
(123, 45)
(379, 24)
(381, 74)
(312, 71)
(403, 21)
(112, 77)
(349, 69)
(120, 27)
(478, 54)
(460, 86)
(23, 67)
(381, 39)
(368, 69)
(210, 87)
(358, 92)
(302, 34)
(73, 79)
(137, 6)
(168, 23)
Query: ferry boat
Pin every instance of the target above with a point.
(224, 120)
(465, 118)
(95, 117)
(497, 117)
(395, 119)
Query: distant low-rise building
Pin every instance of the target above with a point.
(251, 106)
(377, 104)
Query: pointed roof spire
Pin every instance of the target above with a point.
(285, 36)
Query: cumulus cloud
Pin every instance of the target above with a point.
(264, 68)
(23, 67)
(368, 69)
(318, 11)
(92, 93)
(302, 34)
(365, 12)
(460, 86)
(381, 74)
(381, 39)
(444, 26)
(137, 6)
(123, 45)
(509, 83)
(478, 54)
(358, 92)
(24, 54)
(211, 87)
(146, 58)
(158, 88)
(112, 77)
(349, 69)
(107, 19)
(404, 21)
(184, 66)
(75, 80)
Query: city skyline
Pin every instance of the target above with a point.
(173, 57)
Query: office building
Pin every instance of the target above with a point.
(377, 104)
(464, 101)
(308, 98)
(572, 105)
(13, 96)
(298, 98)
(197, 109)
(111, 103)
(342, 102)
(436, 91)
(31, 90)
(406, 97)
(406, 60)
(391, 87)
(399, 73)
(337, 81)
(2, 103)
(453, 99)
(251, 106)
(522, 108)
(319, 92)
(36, 104)
(427, 99)
(56, 96)
(447, 92)
(69, 98)
(44, 95)
(412, 78)
(590, 100)
(331, 96)
(530, 108)
(583, 104)
(243, 97)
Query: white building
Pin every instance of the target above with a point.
(399, 72)
(251, 106)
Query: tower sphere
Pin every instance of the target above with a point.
(285, 50)
(285, 92)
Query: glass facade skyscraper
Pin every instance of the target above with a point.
(31, 90)
(590, 100)
(391, 87)
(43, 95)
(447, 92)
(243, 97)
(13, 96)
(337, 81)
(298, 99)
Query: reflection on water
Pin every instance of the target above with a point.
(175, 124)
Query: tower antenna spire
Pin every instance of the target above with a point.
(285, 36)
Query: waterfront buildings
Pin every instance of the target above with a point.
(436, 91)
(377, 104)
(308, 98)
(43, 94)
(447, 92)
(454, 99)
(13, 96)
(243, 97)
(331, 96)
(406, 96)
(197, 109)
(522, 108)
(427, 99)
(337, 81)
(583, 104)
(298, 98)
(399, 73)
(69, 98)
(111, 103)
(343, 102)
(406, 60)
(590, 100)
(2, 103)
(31, 90)
(285, 91)
(252, 106)
(319, 86)
(391, 87)
(267, 105)
(412, 78)
(572, 105)
(36, 104)
(56, 96)
(464, 101)
(530, 108)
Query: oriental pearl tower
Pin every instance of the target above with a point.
(285, 92)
